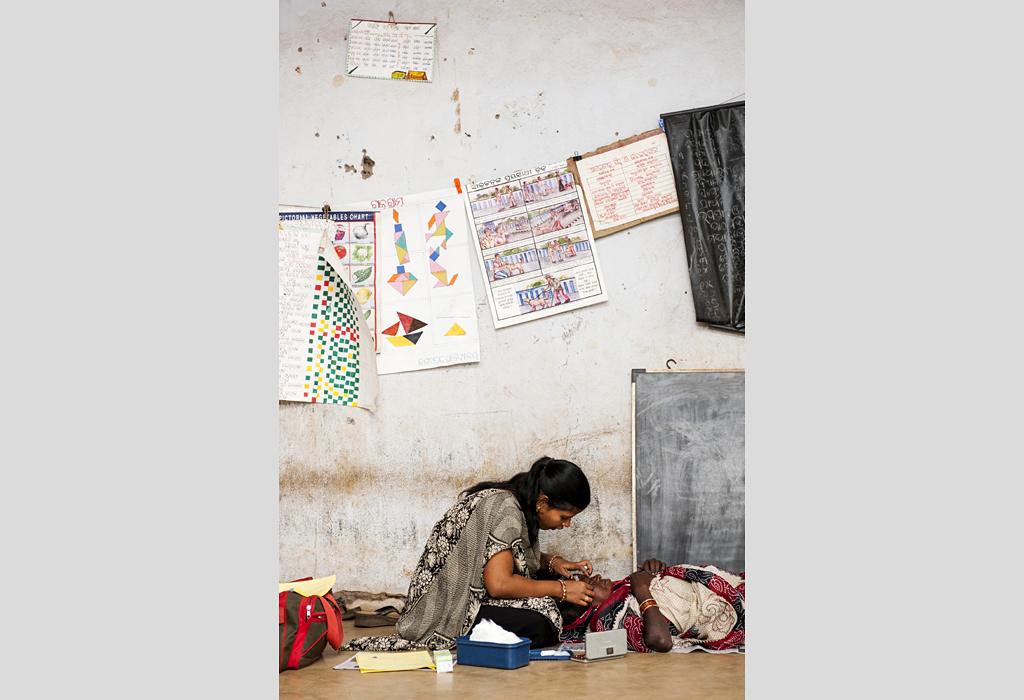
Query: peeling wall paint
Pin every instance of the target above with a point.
(359, 492)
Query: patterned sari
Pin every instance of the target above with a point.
(447, 587)
(714, 599)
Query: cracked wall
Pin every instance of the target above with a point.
(359, 492)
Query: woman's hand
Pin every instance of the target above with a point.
(579, 593)
(565, 568)
(653, 565)
(640, 581)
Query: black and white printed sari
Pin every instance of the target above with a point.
(447, 588)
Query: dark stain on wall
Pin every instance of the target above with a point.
(368, 163)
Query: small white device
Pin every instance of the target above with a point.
(601, 646)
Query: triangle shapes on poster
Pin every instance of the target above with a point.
(391, 330)
(406, 321)
(409, 323)
(413, 338)
(399, 341)
(456, 329)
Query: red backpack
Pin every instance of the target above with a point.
(307, 624)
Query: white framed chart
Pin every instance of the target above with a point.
(388, 50)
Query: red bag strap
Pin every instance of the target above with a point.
(334, 631)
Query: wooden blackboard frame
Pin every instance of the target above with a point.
(632, 430)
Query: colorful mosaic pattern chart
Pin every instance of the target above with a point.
(326, 352)
(333, 354)
(432, 243)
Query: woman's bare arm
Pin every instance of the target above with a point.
(656, 634)
(500, 582)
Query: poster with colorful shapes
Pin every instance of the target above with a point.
(325, 348)
(426, 306)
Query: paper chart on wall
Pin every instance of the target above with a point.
(534, 245)
(325, 349)
(391, 50)
(628, 182)
(426, 306)
(354, 254)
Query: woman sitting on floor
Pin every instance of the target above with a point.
(482, 558)
(662, 607)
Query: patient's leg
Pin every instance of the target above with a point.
(525, 623)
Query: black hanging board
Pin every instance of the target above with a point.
(706, 147)
(688, 469)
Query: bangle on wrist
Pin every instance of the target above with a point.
(564, 591)
(647, 605)
(551, 561)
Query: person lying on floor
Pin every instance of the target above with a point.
(482, 558)
(662, 607)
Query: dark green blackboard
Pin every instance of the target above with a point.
(688, 464)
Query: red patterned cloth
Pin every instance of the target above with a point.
(619, 611)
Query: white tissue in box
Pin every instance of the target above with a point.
(488, 631)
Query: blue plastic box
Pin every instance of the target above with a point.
(493, 655)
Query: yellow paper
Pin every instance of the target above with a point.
(374, 662)
(318, 586)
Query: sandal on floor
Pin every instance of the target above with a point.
(346, 613)
(381, 617)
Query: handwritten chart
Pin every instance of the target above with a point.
(391, 50)
(628, 182)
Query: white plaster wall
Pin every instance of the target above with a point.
(360, 491)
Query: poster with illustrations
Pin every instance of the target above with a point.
(325, 348)
(534, 245)
(426, 308)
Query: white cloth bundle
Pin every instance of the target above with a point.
(488, 631)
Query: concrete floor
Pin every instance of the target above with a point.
(679, 676)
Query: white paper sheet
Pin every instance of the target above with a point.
(297, 251)
(534, 245)
(629, 183)
(426, 306)
(391, 50)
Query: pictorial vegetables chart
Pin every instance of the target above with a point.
(325, 348)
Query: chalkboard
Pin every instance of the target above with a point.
(688, 499)
(706, 147)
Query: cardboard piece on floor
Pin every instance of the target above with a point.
(377, 662)
(446, 663)
(627, 182)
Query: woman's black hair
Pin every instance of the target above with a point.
(564, 484)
